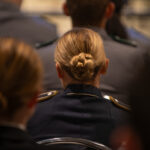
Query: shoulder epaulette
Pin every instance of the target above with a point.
(40, 45)
(124, 41)
(118, 103)
(47, 95)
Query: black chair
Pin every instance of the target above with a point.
(88, 144)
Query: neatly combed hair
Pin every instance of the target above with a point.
(87, 12)
(20, 75)
(80, 53)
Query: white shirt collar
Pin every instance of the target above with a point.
(14, 125)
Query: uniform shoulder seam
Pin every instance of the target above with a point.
(118, 103)
(124, 41)
(47, 95)
(44, 44)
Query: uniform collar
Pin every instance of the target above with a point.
(13, 125)
(83, 89)
(102, 33)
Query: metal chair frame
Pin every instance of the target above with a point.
(76, 141)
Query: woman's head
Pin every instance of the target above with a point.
(20, 75)
(80, 53)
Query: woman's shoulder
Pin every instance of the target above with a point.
(47, 96)
(118, 103)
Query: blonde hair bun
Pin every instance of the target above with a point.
(82, 66)
(80, 52)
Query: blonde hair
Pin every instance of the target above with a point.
(20, 75)
(80, 53)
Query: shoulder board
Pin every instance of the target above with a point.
(47, 95)
(40, 45)
(118, 103)
(124, 41)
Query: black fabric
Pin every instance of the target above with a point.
(15, 139)
(80, 111)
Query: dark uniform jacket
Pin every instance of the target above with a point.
(124, 64)
(80, 111)
(12, 138)
(13, 23)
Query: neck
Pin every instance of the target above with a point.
(101, 25)
(86, 83)
(13, 124)
(18, 119)
(13, 121)
(69, 80)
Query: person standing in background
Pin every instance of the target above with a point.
(115, 26)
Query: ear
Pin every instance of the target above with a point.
(110, 10)
(59, 71)
(33, 101)
(65, 9)
(104, 69)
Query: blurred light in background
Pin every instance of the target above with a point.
(42, 6)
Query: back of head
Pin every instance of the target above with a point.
(80, 53)
(86, 12)
(20, 75)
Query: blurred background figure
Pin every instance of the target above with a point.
(136, 136)
(116, 27)
(134, 13)
(140, 103)
(20, 78)
(16, 24)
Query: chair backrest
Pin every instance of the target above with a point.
(74, 141)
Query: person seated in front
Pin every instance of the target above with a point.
(20, 84)
(80, 110)
(135, 136)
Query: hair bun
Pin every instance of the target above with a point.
(82, 66)
(3, 101)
